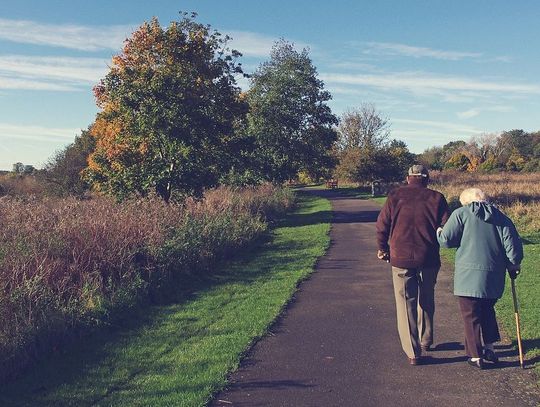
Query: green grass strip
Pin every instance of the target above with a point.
(180, 354)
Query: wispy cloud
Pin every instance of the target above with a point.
(80, 37)
(251, 44)
(353, 65)
(50, 73)
(438, 125)
(37, 133)
(389, 48)
(14, 134)
(257, 45)
(29, 84)
(428, 83)
(468, 114)
(421, 134)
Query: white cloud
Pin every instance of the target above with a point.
(354, 65)
(439, 125)
(467, 114)
(388, 48)
(421, 134)
(428, 83)
(84, 38)
(58, 71)
(29, 84)
(38, 133)
(251, 44)
(257, 45)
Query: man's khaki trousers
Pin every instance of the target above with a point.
(414, 290)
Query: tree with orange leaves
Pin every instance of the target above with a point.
(169, 106)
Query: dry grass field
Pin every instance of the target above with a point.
(68, 263)
(517, 194)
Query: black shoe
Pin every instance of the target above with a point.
(490, 356)
(478, 363)
(425, 348)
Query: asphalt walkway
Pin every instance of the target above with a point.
(337, 342)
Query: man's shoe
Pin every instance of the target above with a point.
(415, 361)
(491, 356)
(476, 363)
(425, 348)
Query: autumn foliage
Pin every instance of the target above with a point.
(169, 106)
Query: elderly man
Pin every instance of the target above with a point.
(406, 237)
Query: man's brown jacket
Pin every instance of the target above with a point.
(407, 224)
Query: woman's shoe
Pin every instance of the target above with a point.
(490, 356)
(476, 363)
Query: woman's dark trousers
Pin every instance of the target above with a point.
(479, 322)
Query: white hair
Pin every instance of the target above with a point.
(472, 195)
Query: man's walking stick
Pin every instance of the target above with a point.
(516, 313)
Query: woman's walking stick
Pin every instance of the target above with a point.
(516, 313)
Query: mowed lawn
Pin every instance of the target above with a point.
(180, 354)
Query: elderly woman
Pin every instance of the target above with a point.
(488, 245)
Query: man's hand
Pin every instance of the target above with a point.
(382, 255)
(513, 270)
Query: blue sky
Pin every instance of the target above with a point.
(439, 70)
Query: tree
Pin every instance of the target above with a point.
(363, 128)
(364, 148)
(433, 158)
(289, 120)
(516, 161)
(18, 168)
(458, 161)
(511, 143)
(63, 172)
(169, 106)
(399, 159)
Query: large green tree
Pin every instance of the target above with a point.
(289, 119)
(169, 107)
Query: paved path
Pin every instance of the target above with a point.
(337, 343)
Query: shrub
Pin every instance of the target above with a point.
(68, 263)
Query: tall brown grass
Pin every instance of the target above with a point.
(517, 194)
(67, 263)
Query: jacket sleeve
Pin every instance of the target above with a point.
(383, 225)
(512, 244)
(452, 231)
(444, 211)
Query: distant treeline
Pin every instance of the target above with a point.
(514, 150)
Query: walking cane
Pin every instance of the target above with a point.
(516, 313)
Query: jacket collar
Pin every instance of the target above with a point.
(417, 182)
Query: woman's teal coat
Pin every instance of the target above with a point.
(487, 243)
